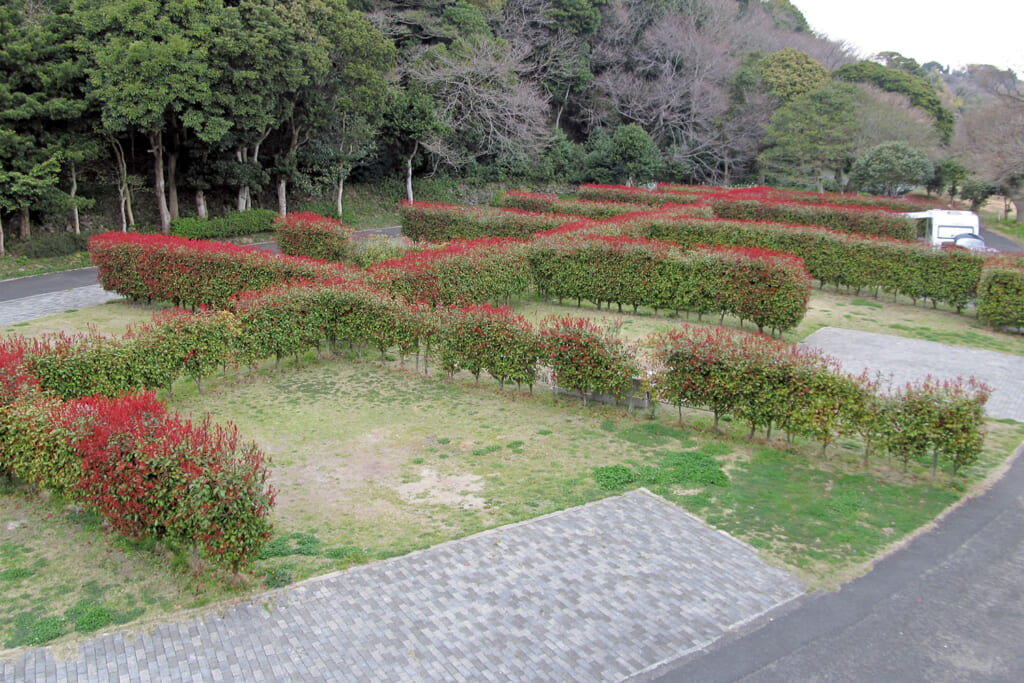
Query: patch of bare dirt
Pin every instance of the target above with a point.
(451, 490)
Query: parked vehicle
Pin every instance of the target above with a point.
(943, 226)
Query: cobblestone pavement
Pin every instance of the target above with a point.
(906, 360)
(51, 303)
(601, 592)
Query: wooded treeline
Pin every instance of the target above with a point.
(208, 105)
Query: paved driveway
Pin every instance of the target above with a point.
(600, 592)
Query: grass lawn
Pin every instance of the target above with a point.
(373, 460)
(21, 266)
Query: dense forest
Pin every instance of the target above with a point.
(197, 107)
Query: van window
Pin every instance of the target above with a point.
(946, 232)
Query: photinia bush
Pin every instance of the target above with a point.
(586, 358)
(425, 221)
(195, 273)
(314, 236)
(154, 474)
(486, 270)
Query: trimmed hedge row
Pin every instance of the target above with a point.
(476, 271)
(757, 379)
(767, 383)
(1001, 293)
(552, 203)
(424, 221)
(772, 290)
(852, 219)
(235, 224)
(190, 273)
(774, 194)
(915, 270)
(314, 236)
(149, 473)
(635, 195)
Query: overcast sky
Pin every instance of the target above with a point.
(952, 32)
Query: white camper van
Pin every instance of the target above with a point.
(951, 227)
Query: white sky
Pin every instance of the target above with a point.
(953, 33)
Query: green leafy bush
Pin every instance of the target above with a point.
(235, 224)
(424, 221)
(50, 244)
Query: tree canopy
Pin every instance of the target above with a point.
(239, 103)
(813, 133)
(891, 169)
(921, 93)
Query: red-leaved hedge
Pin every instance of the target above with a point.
(194, 273)
(485, 270)
(314, 236)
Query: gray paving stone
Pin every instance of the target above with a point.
(42, 305)
(901, 360)
(601, 592)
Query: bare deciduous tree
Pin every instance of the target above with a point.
(488, 111)
(991, 138)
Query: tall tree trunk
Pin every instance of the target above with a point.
(26, 224)
(201, 210)
(1, 233)
(241, 156)
(1017, 199)
(157, 143)
(122, 182)
(74, 206)
(172, 183)
(341, 190)
(561, 107)
(408, 172)
(128, 206)
(255, 160)
(282, 196)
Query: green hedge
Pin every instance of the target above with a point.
(550, 203)
(195, 273)
(771, 290)
(635, 195)
(915, 270)
(314, 236)
(851, 219)
(1001, 294)
(235, 224)
(425, 221)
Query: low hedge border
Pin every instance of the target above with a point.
(234, 224)
(425, 221)
(195, 273)
(772, 290)
(148, 472)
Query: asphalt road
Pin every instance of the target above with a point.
(949, 606)
(997, 241)
(22, 287)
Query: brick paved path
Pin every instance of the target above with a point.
(51, 303)
(908, 360)
(600, 592)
